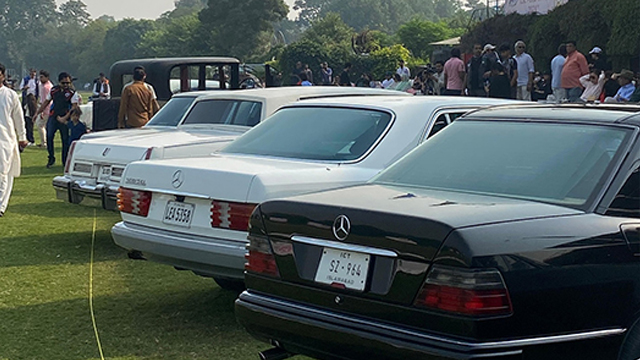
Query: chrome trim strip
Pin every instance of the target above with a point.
(542, 340)
(343, 246)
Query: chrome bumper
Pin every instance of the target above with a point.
(202, 255)
(100, 195)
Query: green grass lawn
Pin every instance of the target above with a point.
(143, 310)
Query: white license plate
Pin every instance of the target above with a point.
(104, 174)
(180, 214)
(343, 268)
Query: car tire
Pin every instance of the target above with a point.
(230, 285)
(630, 349)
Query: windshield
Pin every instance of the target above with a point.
(314, 133)
(550, 162)
(172, 112)
(232, 112)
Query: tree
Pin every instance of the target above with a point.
(416, 35)
(174, 37)
(385, 15)
(21, 23)
(74, 12)
(239, 28)
(123, 40)
(185, 8)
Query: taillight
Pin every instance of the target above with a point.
(230, 215)
(260, 258)
(135, 202)
(67, 164)
(466, 292)
(147, 154)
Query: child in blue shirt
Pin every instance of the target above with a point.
(76, 127)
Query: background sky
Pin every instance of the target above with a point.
(137, 9)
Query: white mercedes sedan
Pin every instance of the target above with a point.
(193, 213)
(190, 124)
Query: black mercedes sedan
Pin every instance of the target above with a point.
(512, 234)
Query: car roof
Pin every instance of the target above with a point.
(299, 92)
(597, 113)
(398, 102)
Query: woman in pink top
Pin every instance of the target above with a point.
(41, 120)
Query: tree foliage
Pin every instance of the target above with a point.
(386, 15)
(500, 29)
(74, 12)
(416, 35)
(239, 28)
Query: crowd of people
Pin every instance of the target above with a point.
(505, 71)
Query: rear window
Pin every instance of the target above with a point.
(172, 112)
(314, 133)
(232, 112)
(557, 163)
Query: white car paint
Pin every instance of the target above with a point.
(109, 150)
(253, 179)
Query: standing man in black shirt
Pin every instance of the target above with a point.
(345, 80)
(64, 100)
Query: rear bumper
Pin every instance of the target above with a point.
(100, 195)
(202, 255)
(301, 329)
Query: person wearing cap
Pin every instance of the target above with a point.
(624, 94)
(101, 88)
(575, 67)
(489, 57)
(597, 60)
(526, 70)
(510, 67)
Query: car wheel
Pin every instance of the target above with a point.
(230, 285)
(630, 349)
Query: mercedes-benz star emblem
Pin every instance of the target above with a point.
(341, 227)
(178, 179)
(106, 151)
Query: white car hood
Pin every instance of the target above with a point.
(127, 146)
(241, 179)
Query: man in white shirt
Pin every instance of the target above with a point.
(556, 71)
(403, 70)
(30, 88)
(525, 72)
(12, 138)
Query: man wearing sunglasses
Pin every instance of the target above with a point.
(64, 99)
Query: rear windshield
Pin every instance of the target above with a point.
(172, 112)
(232, 112)
(557, 163)
(314, 133)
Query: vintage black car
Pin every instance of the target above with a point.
(170, 76)
(511, 234)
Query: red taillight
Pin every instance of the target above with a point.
(230, 215)
(260, 258)
(465, 292)
(135, 202)
(67, 164)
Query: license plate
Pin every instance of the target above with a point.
(343, 269)
(105, 174)
(180, 214)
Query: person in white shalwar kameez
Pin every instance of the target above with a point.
(12, 136)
